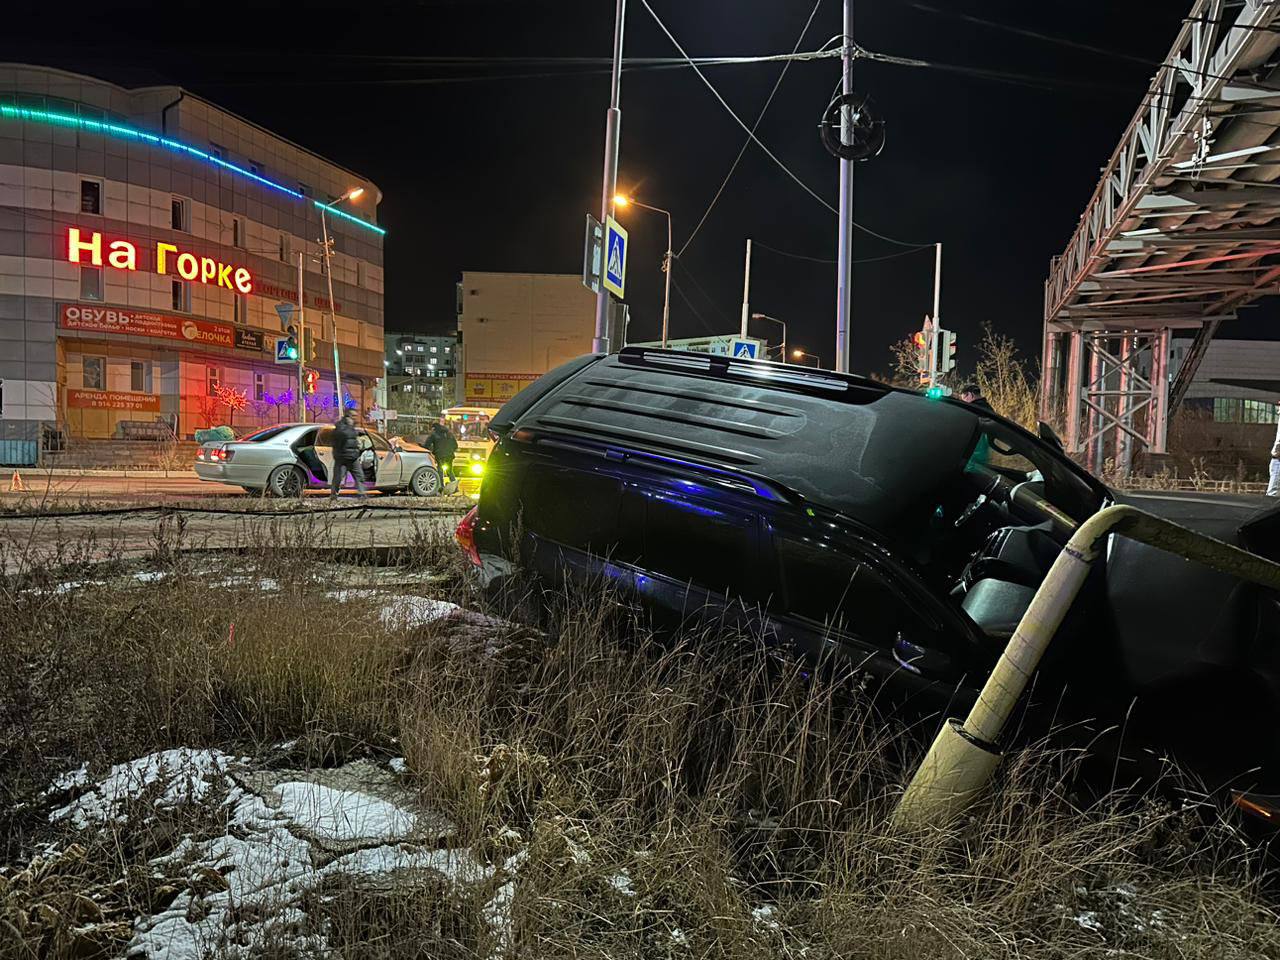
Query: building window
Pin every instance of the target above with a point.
(212, 380)
(255, 168)
(140, 376)
(1259, 411)
(362, 274)
(181, 296)
(91, 196)
(259, 386)
(284, 248)
(90, 283)
(237, 232)
(178, 214)
(1226, 410)
(218, 150)
(304, 189)
(433, 350)
(95, 373)
(240, 308)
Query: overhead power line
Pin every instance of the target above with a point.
(826, 260)
(755, 126)
(756, 140)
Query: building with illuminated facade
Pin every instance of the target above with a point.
(149, 242)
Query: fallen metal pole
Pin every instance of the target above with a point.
(965, 755)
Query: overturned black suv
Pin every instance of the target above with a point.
(907, 533)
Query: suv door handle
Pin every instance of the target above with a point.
(921, 661)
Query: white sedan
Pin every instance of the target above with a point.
(287, 459)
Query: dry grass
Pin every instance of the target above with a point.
(639, 796)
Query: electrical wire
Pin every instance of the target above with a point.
(754, 127)
(751, 135)
(801, 256)
(689, 303)
(1034, 34)
(715, 305)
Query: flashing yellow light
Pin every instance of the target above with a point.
(355, 194)
(477, 468)
(619, 200)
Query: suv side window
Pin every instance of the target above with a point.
(828, 587)
(692, 541)
(587, 520)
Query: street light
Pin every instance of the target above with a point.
(353, 194)
(620, 200)
(782, 323)
(800, 355)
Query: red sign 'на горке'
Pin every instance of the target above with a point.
(144, 323)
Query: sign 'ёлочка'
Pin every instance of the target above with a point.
(90, 249)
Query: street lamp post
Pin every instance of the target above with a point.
(352, 194)
(781, 323)
(621, 201)
(800, 355)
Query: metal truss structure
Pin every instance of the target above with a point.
(1182, 230)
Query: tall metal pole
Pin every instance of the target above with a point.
(333, 313)
(612, 134)
(302, 347)
(746, 291)
(937, 285)
(666, 296)
(844, 268)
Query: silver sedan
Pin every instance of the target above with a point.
(285, 460)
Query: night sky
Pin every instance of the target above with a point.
(497, 174)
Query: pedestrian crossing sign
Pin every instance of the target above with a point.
(743, 349)
(615, 261)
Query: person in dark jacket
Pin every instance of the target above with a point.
(972, 393)
(346, 456)
(444, 448)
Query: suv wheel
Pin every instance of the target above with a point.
(285, 481)
(425, 482)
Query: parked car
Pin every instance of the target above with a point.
(285, 460)
(842, 516)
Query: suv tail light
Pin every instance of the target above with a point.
(466, 536)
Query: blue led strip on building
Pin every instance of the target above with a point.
(10, 112)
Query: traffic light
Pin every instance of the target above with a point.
(291, 347)
(312, 380)
(946, 350)
(308, 344)
(920, 339)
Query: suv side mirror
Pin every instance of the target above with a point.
(1048, 435)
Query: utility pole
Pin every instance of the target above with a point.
(844, 255)
(746, 294)
(302, 347)
(937, 284)
(612, 135)
(333, 314)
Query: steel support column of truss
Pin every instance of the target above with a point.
(1182, 230)
(1116, 395)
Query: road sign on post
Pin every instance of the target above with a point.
(285, 312)
(614, 277)
(592, 249)
(286, 350)
(741, 349)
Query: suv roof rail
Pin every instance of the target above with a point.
(765, 373)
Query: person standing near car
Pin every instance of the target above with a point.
(444, 448)
(1273, 482)
(346, 456)
(971, 393)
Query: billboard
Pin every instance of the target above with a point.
(144, 323)
(113, 400)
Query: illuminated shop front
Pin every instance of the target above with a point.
(149, 245)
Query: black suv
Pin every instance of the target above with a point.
(838, 514)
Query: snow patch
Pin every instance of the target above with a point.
(342, 815)
(181, 776)
(401, 611)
